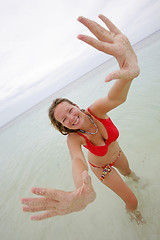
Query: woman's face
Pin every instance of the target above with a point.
(68, 115)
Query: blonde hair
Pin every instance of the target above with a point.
(62, 129)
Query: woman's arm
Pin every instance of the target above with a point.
(112, 42)
(79, 163)
(56, 202)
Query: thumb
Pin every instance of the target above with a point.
(119, 74)
(86, 177)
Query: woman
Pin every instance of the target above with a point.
(93, 129)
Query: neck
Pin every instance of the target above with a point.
(90, 127)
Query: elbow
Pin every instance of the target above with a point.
(137, 71)
(121, 101)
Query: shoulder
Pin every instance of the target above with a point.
(75, 142)
(97, 110)
(75, 139)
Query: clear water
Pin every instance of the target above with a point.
(32, 153)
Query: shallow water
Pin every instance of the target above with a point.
(32, 153)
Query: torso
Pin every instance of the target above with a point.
(110, 156)
(100, 139)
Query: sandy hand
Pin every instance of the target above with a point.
(114, 43)
(56, 202)
(136, 216)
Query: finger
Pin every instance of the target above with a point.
(35, 209)
(101, 46)
(109, 24)
(39, 202)
(32, 201)
(55, 194)
(44, 215)
(100, 32)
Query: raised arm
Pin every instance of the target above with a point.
(114, 43)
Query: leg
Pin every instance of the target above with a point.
(123, 167)
(116, 184)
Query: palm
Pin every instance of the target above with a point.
(114, 43)
(56, 202)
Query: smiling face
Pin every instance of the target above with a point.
(68, 115)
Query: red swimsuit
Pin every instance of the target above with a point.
(112, 132)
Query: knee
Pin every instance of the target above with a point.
(132, 203)
(127, 172)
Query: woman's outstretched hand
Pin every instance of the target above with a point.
(114, 43)
(56, 202)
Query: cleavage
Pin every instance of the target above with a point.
(101, 128)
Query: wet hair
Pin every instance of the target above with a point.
(62, 129)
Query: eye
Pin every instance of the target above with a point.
(70, 110)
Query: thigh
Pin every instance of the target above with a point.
(122, 164)
(116, 184)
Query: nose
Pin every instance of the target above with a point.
(70, 117)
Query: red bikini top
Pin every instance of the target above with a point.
(112, 132)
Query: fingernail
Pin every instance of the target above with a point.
(23, 201)
(24, 209)
(36, 190)
(34, 218)
(79, 18)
